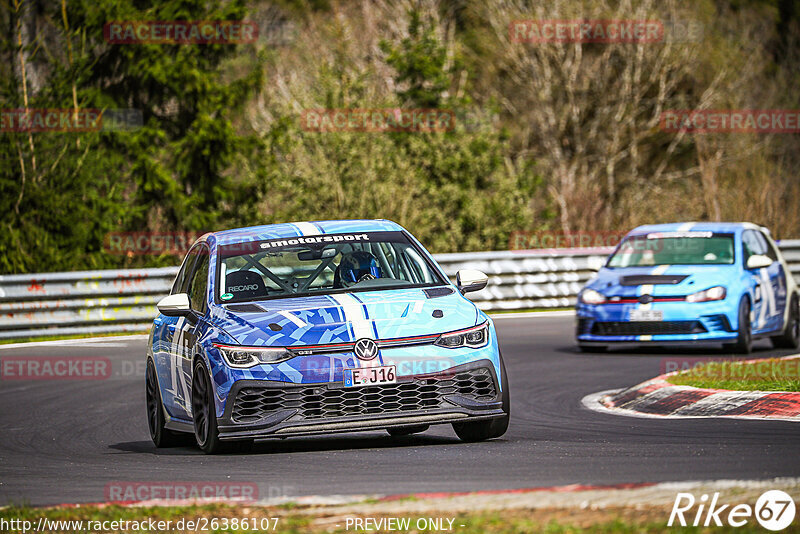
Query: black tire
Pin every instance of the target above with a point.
(161, 436)
(790, 338)
(492, 428)
(203, 414)
(407, 430)
(744, 341)
(592, 348)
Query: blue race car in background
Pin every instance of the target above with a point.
(307, 328)
(691, 283)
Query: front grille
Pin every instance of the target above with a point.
(644, 328)
(324, 400)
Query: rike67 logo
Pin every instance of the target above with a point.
(774, 510)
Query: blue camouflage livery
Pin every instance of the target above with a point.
(405, 322)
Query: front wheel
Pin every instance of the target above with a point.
(744, 341)
(203, 414)
(161, 436)
(492, 428)
(790, 338)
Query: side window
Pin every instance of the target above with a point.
(182, 280)
(752, 245)
(198, 285)
(770, 250)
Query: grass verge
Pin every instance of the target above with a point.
(774, 374)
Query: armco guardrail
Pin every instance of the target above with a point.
(124, 300)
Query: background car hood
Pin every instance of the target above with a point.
(343, 317)
(698, 277)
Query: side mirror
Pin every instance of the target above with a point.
(468, 280)
(176, 305)
(758, 261)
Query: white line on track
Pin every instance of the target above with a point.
(108, 341)
(527, 315)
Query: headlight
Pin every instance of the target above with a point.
(712, 293)
(475, 337)
(240, 357)
(590, 296)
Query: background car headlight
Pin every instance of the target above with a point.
(241, 357)
(590, 296)
(712, 293)
(475, 337)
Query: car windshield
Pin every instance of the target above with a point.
(318, 265)
(675, 248)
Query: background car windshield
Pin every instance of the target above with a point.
(321, 264)
(658, 249)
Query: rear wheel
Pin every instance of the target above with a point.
(790, 338)
(161, 436)
(744, 341)
(492, 428)
(407, 430)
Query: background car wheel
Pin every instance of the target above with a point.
(203, 414)
(492, 428)
(591, 348)
(161, 436)
(744, 342)
(790, 339)
(407, 430)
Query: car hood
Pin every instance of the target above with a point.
(344, 317)
(674, 280)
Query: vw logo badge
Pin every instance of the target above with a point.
(366, 349)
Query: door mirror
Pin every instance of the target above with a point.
(176, 305)
(758, 261)
(468, 280)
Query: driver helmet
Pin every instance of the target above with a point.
(359, 266)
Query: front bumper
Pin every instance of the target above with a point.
(694, 323)
(269, 409)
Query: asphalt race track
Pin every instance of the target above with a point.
(63, 441)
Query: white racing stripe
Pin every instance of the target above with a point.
(306, 228)
(647, 289)
(661, 269)
(362, 327)
(293, 318)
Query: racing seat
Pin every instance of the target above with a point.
(356, 267)
(245, 285)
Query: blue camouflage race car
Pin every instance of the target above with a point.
(307, 328)
(691, 283)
